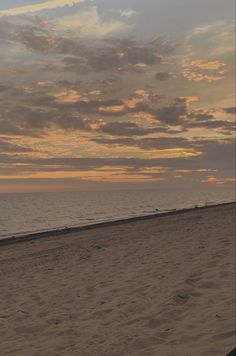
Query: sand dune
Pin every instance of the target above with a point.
(160, 286)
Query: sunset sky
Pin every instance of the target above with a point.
(103, 94)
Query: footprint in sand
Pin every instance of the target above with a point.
(182, 296)
(192, 281)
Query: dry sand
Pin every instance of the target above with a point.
(160, 286)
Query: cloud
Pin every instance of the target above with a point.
(34, 40)
(196, 160)
(88, 23)
(210, 65)
(163, 76)
(73, 123)
(9, 147)
(225, 126)
(47, 5)
(123, 129)
(61, 106)
(91, 103)
(230, 110)
(31, 122)
(197, 70)
(201, 30)
(128, 13)
(213, 29)
(215, 39)
(6, 29)
(174, 113)
(219, 181)
(220, 155)
(132, 129)
(36, 110)
(214, 155)
(203, 119)
(152, 143)
(122, 55)
(199, 77)
(85, 50)
(75, 84)
(36, 35)
(186, 146)
(42, 107)
(117, 56)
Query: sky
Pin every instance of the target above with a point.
(116, 94)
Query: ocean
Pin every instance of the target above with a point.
(26, 213)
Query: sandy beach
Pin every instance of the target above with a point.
(158, 286)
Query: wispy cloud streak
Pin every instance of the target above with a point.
(53, 4)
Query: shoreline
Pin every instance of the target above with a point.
(146, 287)
(24, 237)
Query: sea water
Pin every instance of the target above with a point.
(26, 213)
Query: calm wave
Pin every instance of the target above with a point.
(32, 212)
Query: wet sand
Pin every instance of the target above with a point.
(157, 286)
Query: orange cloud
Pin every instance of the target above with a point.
(139, 96)
(197, 70)
(103, 174)
(199, 77)
(211, 65)
(191, 99)
(218, 181)
(67, 97)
